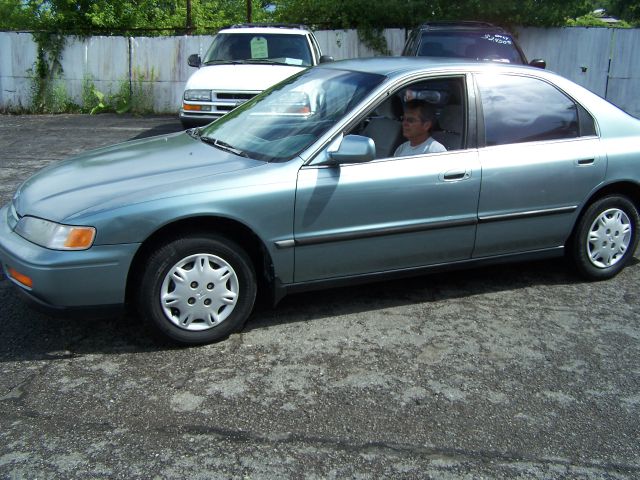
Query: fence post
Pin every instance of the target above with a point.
(130, 45)
(612, 45)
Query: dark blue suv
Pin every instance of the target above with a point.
(470, 40)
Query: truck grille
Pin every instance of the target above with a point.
(224, 102)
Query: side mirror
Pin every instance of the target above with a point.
(538, 62)
(194, 60)
(326, 58)
(354, 149)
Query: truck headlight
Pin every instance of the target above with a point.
(197, 95)
(54, 235)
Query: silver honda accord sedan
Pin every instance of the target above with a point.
(322, 180)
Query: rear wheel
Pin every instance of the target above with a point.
(197, 289)
(606, 237)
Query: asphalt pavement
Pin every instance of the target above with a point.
(517, 371)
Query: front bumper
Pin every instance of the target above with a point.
(66, 279)
(222, 102)
(199, 119)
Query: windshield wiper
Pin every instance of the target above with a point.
(262, 60)
(223, 146)
(224, 62)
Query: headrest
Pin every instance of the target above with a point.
(435, 97)
(390, 108)
(450, 118)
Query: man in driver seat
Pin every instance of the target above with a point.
(417, 122)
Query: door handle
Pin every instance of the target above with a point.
(586, 161)
(454, 175)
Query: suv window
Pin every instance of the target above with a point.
(411, 45)
(259, 47)
(523, 109)
(473, 45)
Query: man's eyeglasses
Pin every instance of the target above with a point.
(409, 119)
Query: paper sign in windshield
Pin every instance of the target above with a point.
(501, 39)
(259, 48)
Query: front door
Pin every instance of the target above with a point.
(385, 215)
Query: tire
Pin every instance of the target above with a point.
(186, 125)
(606, 237)
(197, 289)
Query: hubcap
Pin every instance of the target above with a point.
(199, 292)
(609, 238)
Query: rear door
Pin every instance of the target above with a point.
(541, 159)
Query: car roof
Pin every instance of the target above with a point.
(265, 28)
(461, 27)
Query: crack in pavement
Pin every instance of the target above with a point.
(274, 439)
(17, 392)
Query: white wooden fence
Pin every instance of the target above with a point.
(601, 59)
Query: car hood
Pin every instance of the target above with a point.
(126, 173)
(240, 77)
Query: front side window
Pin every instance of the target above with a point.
(521, 109)
(440, 104)
(259, 48)
(289, 117)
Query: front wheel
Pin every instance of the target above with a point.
(197, 289)
(606, 237)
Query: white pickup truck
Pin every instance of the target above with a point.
(241, 62)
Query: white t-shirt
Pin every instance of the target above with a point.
(428, 146)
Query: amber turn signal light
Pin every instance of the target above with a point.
(20, 278)
(80, 238)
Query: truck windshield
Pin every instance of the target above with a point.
(259, 47)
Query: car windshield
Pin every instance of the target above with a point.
(472, 45)
(259, 48)
(284, 120)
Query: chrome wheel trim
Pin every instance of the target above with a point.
(609, 238)
(199, 292)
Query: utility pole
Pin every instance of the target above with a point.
(249, 11)
(189, 21)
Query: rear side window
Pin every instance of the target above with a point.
(587, 124)
(521, 109)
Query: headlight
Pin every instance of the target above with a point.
(54, 235)
(12, 217)
(198, 95)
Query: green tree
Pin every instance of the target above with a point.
(408, 13)
(20, 15)
(628, 10)
(86, 17)
(126, 16)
